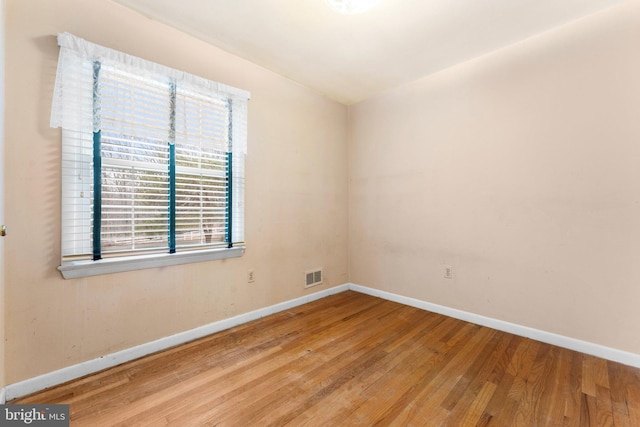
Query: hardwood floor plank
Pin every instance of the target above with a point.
(507, 414)
(588, 413)
(618, 389)
(475, 411)
(536, 387)
(553, 402)
(603, 406)
(632, 388)
(500, 396)
(481, 366)
(353, 359)
(520, 366)
(589, 382)
(504, 359)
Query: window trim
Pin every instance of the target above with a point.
(86, 268)
(69, 113)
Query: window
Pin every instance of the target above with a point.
(152, 162)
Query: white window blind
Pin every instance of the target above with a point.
(152, 157)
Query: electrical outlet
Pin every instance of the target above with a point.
(251, 276)
(448, 272)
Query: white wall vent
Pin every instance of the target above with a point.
(313, 278)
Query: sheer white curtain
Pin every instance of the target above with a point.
(73, 91)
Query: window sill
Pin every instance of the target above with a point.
(76, 269)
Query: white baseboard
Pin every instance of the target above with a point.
(60, 376)
(32, 385)
(3, 396)
(608, 353)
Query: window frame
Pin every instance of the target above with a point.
(85, 268)
(75, 266)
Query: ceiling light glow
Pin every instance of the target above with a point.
(351, 7)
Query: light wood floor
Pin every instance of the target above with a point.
(352, 359)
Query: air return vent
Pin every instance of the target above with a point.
(313, 278)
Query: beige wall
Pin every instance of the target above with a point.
(296, 217)
(521, 170)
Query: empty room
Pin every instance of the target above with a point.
(320, 212)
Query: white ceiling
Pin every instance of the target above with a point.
(352, 57)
